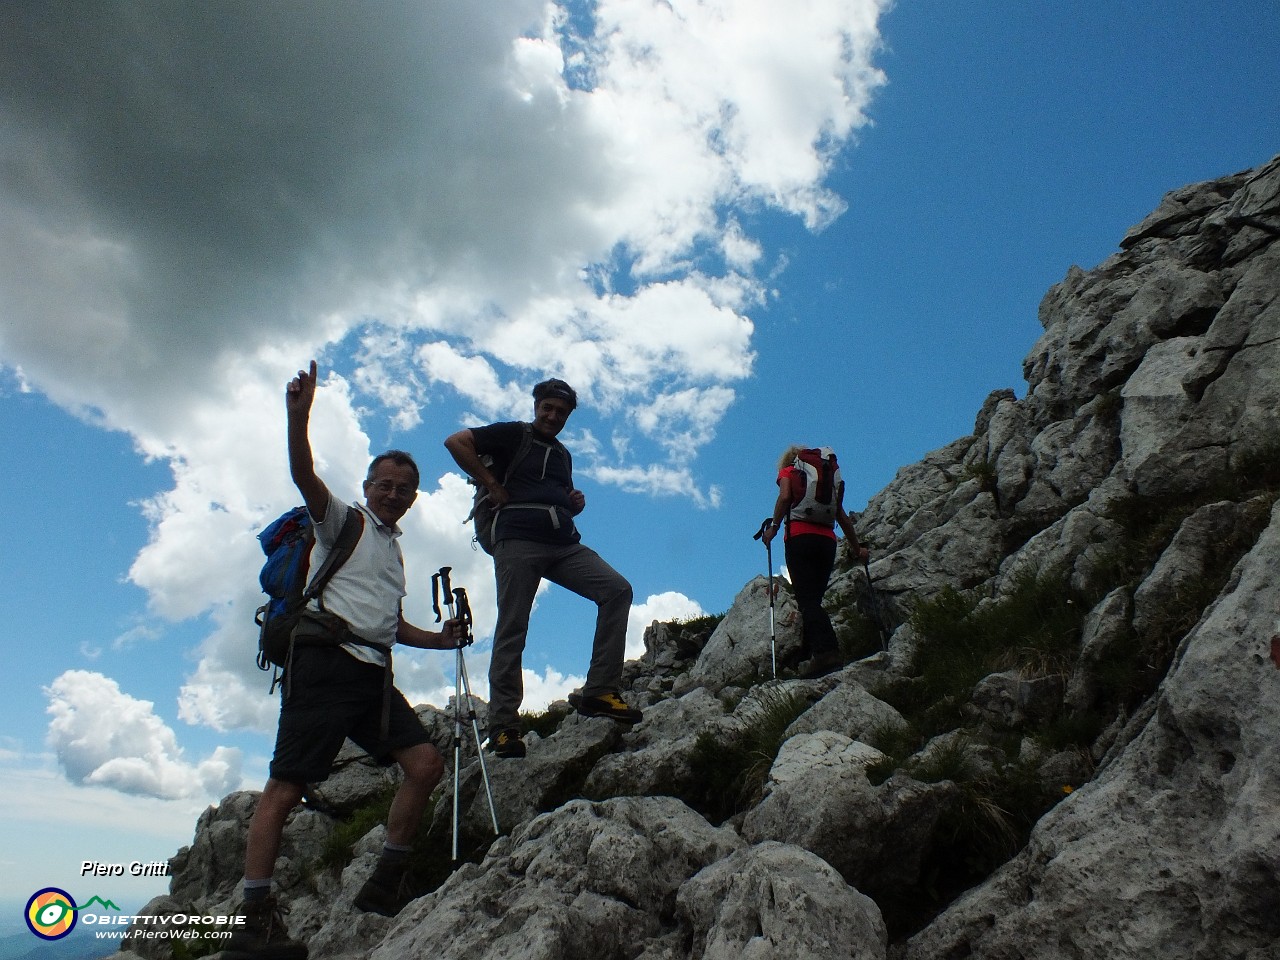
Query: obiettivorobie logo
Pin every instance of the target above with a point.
(51, 913)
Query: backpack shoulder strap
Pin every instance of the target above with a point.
(343, 547)
(522, 450)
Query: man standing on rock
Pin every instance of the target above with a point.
(528, 476)
(338, 685)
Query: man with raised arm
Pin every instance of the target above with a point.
(338, 685)
(528, 475)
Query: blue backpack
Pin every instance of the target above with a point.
(287, 542)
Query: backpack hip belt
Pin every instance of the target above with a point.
(551, 508)
(320, 628)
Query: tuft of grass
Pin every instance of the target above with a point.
(430, 861)
(733, 770)
(1134, 667)
(544, 723)
(949, 761)
(1071, 731)
(946, 612)
(984, 471)
(987, 824)
(1034, 626)
(1252, 472)
(897, 742)
(1109, 405)
(338, 847)
(704, 625)
(858, 635)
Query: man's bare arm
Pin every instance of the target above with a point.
(413, 636)
(298, 397)
(462, 447)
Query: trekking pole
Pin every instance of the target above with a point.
(773, 635)
(459, 609)
(876, 613)
(457, 717)
(464, 614)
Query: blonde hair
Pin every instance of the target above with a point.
(789, 454)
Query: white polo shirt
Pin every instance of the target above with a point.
(366, 590)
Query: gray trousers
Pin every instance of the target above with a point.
(519, 566)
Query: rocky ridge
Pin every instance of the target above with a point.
(1070, 745)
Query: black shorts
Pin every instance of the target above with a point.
(332, 696)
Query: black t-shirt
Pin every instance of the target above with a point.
(539, 483)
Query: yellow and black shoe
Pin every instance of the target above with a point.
(507, 743)
(608, 705)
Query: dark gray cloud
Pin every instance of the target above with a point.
(187, 189)
(183, 180)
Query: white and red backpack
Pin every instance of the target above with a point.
(815, 486)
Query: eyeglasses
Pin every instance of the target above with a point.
(386, 486)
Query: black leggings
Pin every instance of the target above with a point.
(810, 559)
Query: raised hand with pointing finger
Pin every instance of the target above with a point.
(301, 391)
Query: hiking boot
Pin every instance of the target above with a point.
(507, 743)
(263, 935)
(821, 665)
(386, 891)
(609, 705)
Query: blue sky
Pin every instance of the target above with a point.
(728, 231)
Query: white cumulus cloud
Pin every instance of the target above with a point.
(104, 737)
(662, 607)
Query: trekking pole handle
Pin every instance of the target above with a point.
(464, 617)
(759, 535)
(437, 580)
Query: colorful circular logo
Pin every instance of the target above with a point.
(51, 913)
